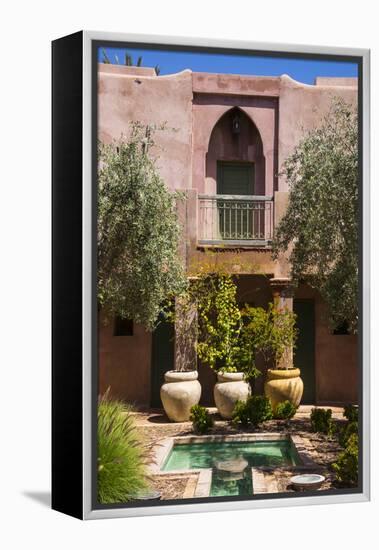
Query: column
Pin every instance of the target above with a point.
(185, 335)
(282, 291)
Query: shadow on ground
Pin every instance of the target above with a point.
(158, 419)
(41, 497)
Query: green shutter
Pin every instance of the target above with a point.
(235, 178)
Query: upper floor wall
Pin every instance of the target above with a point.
(221, 131)
(195, 106)
(127, 94)
(302, 107)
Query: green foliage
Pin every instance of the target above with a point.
(138, 231)
(285, 410)
(230, 339)
(321, 421)
(241, 414)
(351, 413)
(260, 409)
(321, 222)
(202, 421)
(219, 322)
(268, 333)
(347, 431)
(122, 457)
(346, 466)
(255, 410)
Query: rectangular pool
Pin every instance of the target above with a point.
(194, 456)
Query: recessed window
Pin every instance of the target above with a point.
(342, 329)
(123, 327)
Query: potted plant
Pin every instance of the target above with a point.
(181, 389)
(273, 335)
(219, 346)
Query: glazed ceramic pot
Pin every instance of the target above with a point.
(179, 393)
(284, 385)
(230, 388)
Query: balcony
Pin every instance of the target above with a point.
(235, 220)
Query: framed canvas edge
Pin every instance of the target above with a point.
(88, 313)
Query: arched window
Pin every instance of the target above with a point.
(235, 164)
(235, 175)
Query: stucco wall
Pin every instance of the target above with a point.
(124, 97)
(336, 357)
(302, 108)
(124, 364)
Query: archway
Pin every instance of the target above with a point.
(235, 156)
(235, 176)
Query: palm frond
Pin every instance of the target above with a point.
(105, 56)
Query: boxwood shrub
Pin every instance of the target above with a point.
(202, 421)
(255, 410)
(285, 410)
(346, 466)
(321, 421)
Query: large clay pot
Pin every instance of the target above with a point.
(179, 393)
(282, 385)
(229, 389)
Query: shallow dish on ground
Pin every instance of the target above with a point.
(307, 481)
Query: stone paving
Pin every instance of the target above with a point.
(323, 450)
(175, 486)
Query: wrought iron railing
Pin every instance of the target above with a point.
(235, 219)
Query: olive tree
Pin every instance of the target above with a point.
(320, 226)
(138, 231)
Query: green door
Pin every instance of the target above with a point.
(236, 216)
(162, 359)
(235, 178)
(304, 357)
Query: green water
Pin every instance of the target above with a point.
(194, 456)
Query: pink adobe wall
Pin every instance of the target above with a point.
(301, 108)
(124, 96)
(124, 364)
(336, 357)
(236, 84)
(336, 81)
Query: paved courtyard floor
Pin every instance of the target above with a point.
(321, 449)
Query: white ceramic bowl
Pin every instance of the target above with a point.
(307, 481)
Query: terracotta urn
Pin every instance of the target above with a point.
(284, 385)
(230, 388)
(179, 393)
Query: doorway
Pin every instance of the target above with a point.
(304, 354)
(236, 217)
(162, 358)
